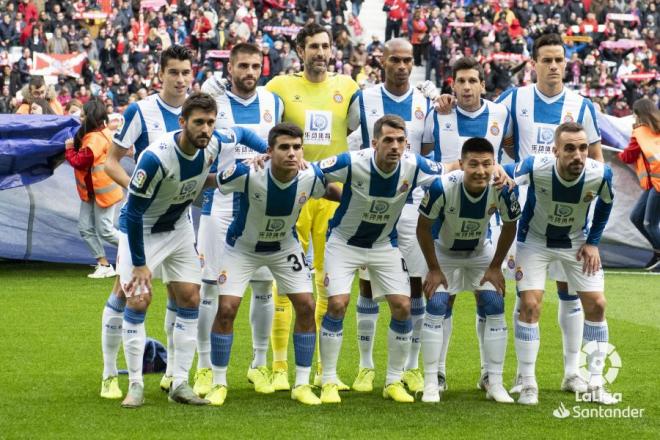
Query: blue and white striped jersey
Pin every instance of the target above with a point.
(449, 132)
(372, 200)
(462, 219)
(164, 184)
(146, 121)
(376, 102)
(534, 118)
(556, 212)
(268, 208)
(260, 113)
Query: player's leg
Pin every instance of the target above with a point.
(533, 261)
(480, 326)
(494, 342)
(432, 341)
(413, 377)
(280, 340)
(447, 327)
(367, 318)
(111, 334)
(168, 325)
(261, 322)
(222, 338)
(389, 280)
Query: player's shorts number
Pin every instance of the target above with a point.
(297, 265)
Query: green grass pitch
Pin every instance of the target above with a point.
(51, 369)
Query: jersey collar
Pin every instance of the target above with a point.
(397, 98)
(547, 99)
(475, 113)
(568, 183)
(242, 101)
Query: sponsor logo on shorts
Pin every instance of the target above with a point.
(222, 278)
(519, 274)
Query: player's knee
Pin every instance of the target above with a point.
(492, 302)
(305, 306)
(400, 309)
(337, 306)
(438, 304)
(226, 312)
(139, 303)
(594, 308)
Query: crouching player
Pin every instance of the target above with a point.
(462, 257)
(555, 227)
(263, 234)
(158, 237)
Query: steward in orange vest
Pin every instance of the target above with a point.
(644, 152)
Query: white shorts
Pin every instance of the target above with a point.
(533, 260)
(211, 238)
(287, 266)
(509, 264)
(384, 264)
(170, 256)
(464, 269)
(406, 229)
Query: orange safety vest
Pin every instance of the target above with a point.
(106, 191)
(648, 163)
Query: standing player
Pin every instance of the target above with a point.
(377, 182)
(158, 235)
(396, 96)
(463, 258)
(318, 102)
(145, 122)
(443, 136)
(553, 229)
(249, 106)
(262, 235)
(536, 111)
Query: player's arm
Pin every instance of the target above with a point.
(336, 168)
(508, 145)
(210, 181)
(113, 168)
(588, 252)
(429, 140)
(590, 124)
(233, 179)
(448, 167)
(354, 112)
(332, 193)
(429, 210)
(250, 139)
(141, 190)
(596, 152)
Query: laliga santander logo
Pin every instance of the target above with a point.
(601, 352)
(562, 412)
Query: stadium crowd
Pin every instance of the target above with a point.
(611, 45)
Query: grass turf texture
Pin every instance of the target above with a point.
(51, 362)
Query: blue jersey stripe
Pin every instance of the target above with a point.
(366, 235)
(472, 127)
(238, 225)
(190, 168)
(346, 195)
(171, 120)
(380, 186)
(471, 209)
(548, 113)
(566, 194)
(401, 108)
(279, 202)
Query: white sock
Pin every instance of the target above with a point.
(331, 336)
(495, 339)
(398, 348)
(262, 309)
(134, 337)
(527, 341)
(571, 322)
(304, 345)
(417, 316)
(111, 333)
(208, 307)
(170, 318)
(431, 345)
(480, 325)
(598, 332)
(302, 375)
(515, 316)
(446, 336)
(220, 352)
(367, 318)
(185, 337)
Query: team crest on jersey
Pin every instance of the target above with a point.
(337, 97)
(568, 117)
(588, 197)
(492, 209)
(267, 116)
(139, 178)
(302, 199)
(222, 278)
(228, 172)
(519, 274)
(494, 129)
(419, 114)
(405, 186)
(327, 163)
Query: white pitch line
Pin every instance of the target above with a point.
(614, 272)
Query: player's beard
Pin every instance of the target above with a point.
(198, 142)
(317, 68)
(244, 89)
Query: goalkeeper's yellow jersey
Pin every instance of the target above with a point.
(321, 110)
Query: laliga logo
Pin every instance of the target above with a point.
(562, 412)
(603, 351)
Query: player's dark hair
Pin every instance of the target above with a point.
(175, 52)
(546, 40)
(392, 121)
(567, 127)
(647, 113)
(477, 145)
(309, 30)
(37, 81)
(467, 63)
(283, 129)
(246, 48)
(198, 101)
(95, 118)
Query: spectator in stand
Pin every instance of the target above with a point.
(57, 44)
(644, 152)
(37, 89)
(396, 13)
(419, 35)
